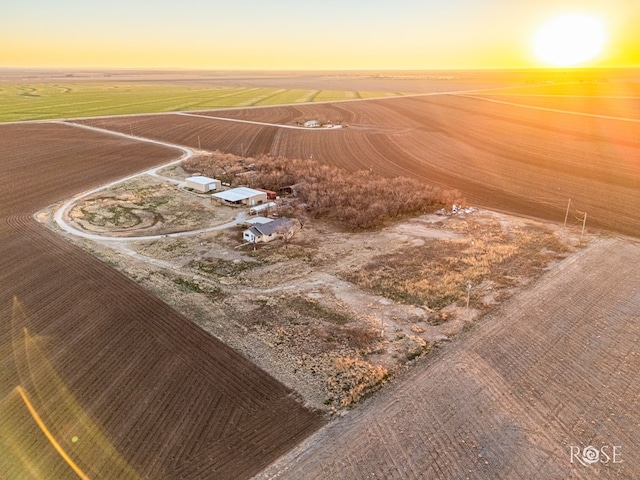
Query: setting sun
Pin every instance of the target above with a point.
(569, 40)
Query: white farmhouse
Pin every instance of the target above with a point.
(265, 232)
(202, 184)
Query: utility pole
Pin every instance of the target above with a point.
(566, 215)
(468, 295)
(199, 147)
(584, 223)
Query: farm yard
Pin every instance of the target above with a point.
(127, 387)
(307, 312)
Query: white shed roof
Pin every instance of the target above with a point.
(258, 221)
(238, 194)
(201, 180)
(264, 206)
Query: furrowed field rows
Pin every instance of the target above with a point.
(552, 368)
(143, 389)
(500, 156)
(289, 115)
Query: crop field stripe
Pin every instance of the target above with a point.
(49, 436)
(110, 102)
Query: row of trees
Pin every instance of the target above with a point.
(359, 199)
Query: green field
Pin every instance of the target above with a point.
(72, 100)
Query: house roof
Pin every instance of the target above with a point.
(269, 228)
(238, 194)
(202, 180)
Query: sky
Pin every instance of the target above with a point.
(299, 34)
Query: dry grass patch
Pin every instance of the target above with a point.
(491, 257)
(352, 379)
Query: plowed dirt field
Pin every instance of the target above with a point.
(500, 156)
(554, 369)
(97, 376)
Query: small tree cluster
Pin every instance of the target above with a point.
(226, 167)
(358, 199)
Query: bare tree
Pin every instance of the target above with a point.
(287, 231)
(301, 215)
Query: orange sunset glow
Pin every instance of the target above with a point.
(292, 35)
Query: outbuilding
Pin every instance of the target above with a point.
(242, 196)
(261, 208)
(202, 184)
(271, 195)
(312, 124)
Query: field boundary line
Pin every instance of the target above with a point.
(546, 109)
(49, 435)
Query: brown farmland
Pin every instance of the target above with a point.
(503, 157)
(511, 397)
(130, 388)
(125, 386)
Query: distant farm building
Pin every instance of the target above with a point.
(265, 232)
(242, 196)
(312, 124)
(202, 184)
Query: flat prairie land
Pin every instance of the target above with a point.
(124, 385)
(627, 107)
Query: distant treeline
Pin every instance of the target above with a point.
(356, 199)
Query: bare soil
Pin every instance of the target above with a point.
(144, 391)
(146, 206)
(552, 368)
